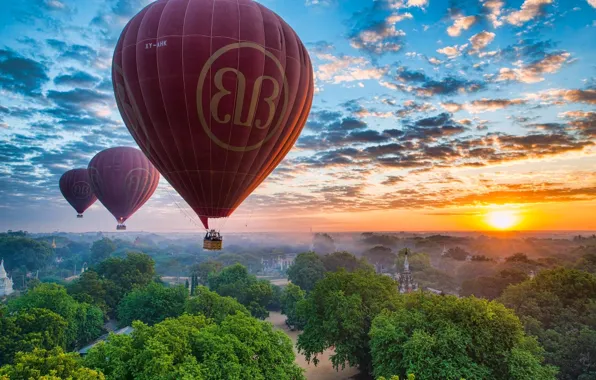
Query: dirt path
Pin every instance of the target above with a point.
(324, 370)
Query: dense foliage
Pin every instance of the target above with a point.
(344, 260)
(26, 330)
(291, 300)
(106, 284)
(308, 268)
(339, 312)
(491, 287)
(152, 304)
(102, 249)
(23, 253)
(559, 307)
(235, 281)
(190, 347)
(51, 364)
(84, 321)
(212, 305)
(449, 338)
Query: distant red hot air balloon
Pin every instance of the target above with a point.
(76, 189)
(215, 92)
(123, 179)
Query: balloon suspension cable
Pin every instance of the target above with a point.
(184, 212)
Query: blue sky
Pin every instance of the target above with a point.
(427, 113)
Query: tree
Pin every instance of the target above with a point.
(51, 364)
(90, 287)
(491, 287)
(323, 243)
(235, 281)
(203, 270)
(212, 305)
(191, 347)
(457, 253)
(85, 322)
(381, 257)
(339, 312)
(587, 263)
(23, 252)
(29, 329)
(338, 260)
(558, 306)
(152, 304)
(102, 249)
(306, 270)
(137, 270)
(292, 295)
(449, 338)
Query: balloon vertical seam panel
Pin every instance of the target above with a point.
(207, 141)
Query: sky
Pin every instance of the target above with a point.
(427, 116)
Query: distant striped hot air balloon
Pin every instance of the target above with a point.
(76, 189)
(215, 93)
(123, 179)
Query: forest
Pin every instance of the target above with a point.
(486, 307)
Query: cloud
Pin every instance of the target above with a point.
(530, 9)
(392, 180)
(382, 36)
(562, 96)
(452, 51)
(81, 53)
(483, 105)
(533, 72)
(461, 23)
(592, 3)
(494, 8)
(21, 75)
(582, 122)
(480, 41)
(347, 69)
(77, 79)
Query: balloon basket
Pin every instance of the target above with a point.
(121, 227)
(79, 216)
(212, 245)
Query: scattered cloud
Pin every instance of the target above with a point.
(480, 41)
(21, 75)
(483, 105)
(461, 23)
(530, 10)
(533, 72)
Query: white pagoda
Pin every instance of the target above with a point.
(5, 282)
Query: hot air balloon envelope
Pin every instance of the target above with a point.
(123, 179)
(215, 93)
(76, 189)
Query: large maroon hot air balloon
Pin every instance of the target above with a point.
(215, 92)
(76, 189)
(123, 179)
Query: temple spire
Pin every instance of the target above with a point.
(406, 281)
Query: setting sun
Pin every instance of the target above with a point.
(502, 219)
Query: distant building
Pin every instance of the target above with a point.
(444, 251)
(54, 243)
(5, 282)
(406, 281)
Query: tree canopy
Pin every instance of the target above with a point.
(235, 281)
(559, 307)
(23, 252)
(85, 322)
(307, 269)
(339, 312)
(449, 338)
(102, 249)
(338, 260)
(190, 347)
(44, 364)
(212, 305)
(152, 304)
(291, 297)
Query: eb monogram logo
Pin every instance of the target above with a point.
(275, 104)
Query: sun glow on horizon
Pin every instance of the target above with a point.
(502, 219)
